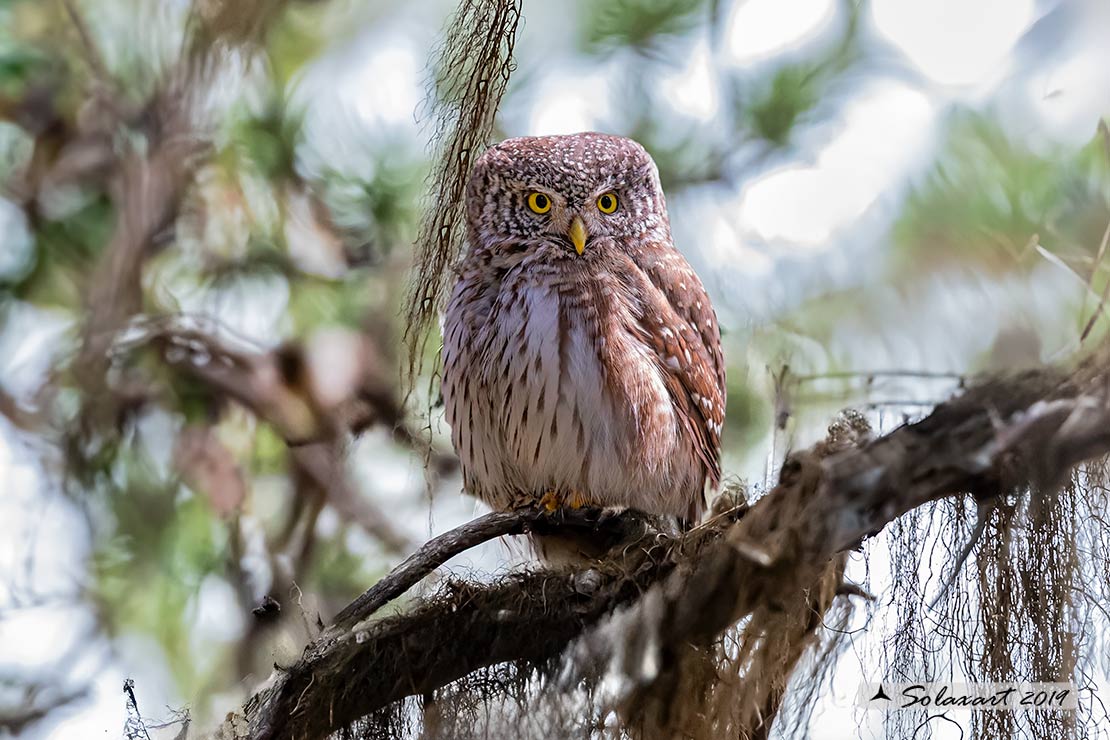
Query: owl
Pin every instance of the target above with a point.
(582, 359)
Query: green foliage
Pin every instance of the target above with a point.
(989, 194)
(639, 25)
(15, 149)
(686, 159)
(65, 250)
(380, 208)
(147, 575)
(747, 413)
(19, 65)
(774, 111)
(297, 38)
(337, 572)
(318, 303)
(267, 142)
(772, 108)
(269, 453)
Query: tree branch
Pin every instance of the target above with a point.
(437, 551)
(1023, 431)
(350, 671)
(261, 382)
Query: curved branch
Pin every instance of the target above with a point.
(437, 551)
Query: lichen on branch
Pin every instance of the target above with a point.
(655, 609)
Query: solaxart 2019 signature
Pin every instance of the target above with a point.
(982, 696)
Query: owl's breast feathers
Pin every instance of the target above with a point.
(607, 381)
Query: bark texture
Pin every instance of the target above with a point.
(669, 597)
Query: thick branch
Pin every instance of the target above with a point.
(1001, 435)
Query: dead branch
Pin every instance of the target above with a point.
(1000, 435)
(266, 385)
(34, 703)
(147, 188)
(149, 182)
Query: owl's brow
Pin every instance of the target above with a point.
(620, 184)
(526, 185)
(613, 183)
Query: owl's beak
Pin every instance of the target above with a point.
(578, 234)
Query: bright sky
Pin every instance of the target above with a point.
(944, 50)
(953, 42)
(761, 29)
(884, 135)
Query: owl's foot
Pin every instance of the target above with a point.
(552, 501)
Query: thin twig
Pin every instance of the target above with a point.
(92, 54)
(431, 555)
(1090, 282)
(135, 724)
(852, 374)
(982, 516)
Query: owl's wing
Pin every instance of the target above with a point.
(679, 321)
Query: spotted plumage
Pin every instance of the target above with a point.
(581, 353)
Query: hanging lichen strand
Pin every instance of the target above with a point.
(1028, 572)
(470, 73)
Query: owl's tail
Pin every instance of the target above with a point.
(572, 550)
(576, 547)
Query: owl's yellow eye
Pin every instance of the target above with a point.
(539, 203)
(607, 203)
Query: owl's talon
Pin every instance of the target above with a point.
(550, 502)
(577, 500)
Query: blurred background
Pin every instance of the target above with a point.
(206, 218)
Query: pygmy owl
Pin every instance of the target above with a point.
(582, 357)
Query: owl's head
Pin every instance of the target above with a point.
(574, 193)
